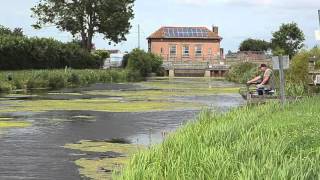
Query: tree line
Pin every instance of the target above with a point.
(288, 40)
(18, 51)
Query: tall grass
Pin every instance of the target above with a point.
(263, 142)
(55, 79)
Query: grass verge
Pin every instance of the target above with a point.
(263, 142)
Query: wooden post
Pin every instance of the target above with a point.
(282, 82)
(248, 94)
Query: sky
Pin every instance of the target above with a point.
(237, 19)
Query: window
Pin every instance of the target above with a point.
(185, 50)
(161, 50)
(210, 51)
(198, 50)
(173, 50)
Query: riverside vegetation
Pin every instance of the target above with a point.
(297, 77)
(56, 79)
(261, 142)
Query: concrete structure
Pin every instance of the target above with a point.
(186, 44)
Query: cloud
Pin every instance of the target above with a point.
(283, 4)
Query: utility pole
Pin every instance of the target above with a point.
(138, 36)
(319, 16)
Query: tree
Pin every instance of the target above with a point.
(85, 18)
(7, 31)
(254, 45)
(4, 30)
(289, 38)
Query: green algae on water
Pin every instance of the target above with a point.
(103, 168)
(104, 105)
(14, 124)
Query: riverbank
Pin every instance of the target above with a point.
(57, 79)
(63, 124)
(262, 142)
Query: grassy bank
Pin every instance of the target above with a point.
(56, 79)
(262, 142)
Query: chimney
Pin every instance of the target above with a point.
(215, 29)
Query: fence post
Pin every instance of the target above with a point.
(282, 82)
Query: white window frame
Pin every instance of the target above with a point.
(196, 50)
(185, 50)
(170, 50)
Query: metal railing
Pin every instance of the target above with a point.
(213, 59)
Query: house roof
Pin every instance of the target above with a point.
(184, 33)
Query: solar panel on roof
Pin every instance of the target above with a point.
(185, 32)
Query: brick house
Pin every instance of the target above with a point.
(187, 44)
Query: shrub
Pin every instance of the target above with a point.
(125, 61)
(298, 72)
(143, 62)
(5, 86)
(74, 79)
(242, 72)
(57, 82)
(101, 56)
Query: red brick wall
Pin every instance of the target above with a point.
(156, 45)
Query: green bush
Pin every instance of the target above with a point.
(143, 62)
(125, 60)
(242, 72)
(299, 68)
(5, 86)
(57, 82)
(74, 79)
(101, 56)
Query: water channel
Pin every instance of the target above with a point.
(136, 112)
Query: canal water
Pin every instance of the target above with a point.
(137, 112)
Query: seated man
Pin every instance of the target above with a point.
(264, 81)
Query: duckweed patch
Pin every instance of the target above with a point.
(105, 105)
(213, 86)
(103, 146)
(102, 167)
(156, 94)
(13, 124)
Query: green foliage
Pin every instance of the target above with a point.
(254, 45)
(74, 79)
(295, 89)
(125, 61)
(56, 79)
(262, 142)
(315, 52)
(5, 86)
(242, 72)
(156, 62)
(317, 66)
(101, 56)
(143, 62)
(299, 68)
(289, 38)
(4, 31)
(18, 52)
(85, 18)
